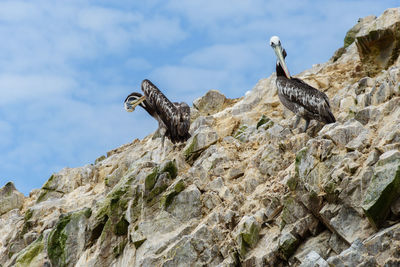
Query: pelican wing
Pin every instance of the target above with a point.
(168, 112)
(308, 97)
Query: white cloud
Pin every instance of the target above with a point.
(203, 14)
(137, 64)
(15, 11)
(239, 57)
(5, 134)
(30, 88)
(99, 18)
(158, 31)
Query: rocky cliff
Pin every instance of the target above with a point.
(246, 189)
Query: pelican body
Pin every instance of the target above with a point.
(302, 99)
(173, 118)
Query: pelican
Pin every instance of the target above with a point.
(173, 118)
(302, 99)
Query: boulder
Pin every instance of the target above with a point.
(247, 234)
(384, 188)
(378, 42)
(212, 102)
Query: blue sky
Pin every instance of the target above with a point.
(67, 66)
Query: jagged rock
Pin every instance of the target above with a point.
(384, 187)
(313, 259)
(313, 165)
(342, 134)
(10, 198)
(138, 238)
(352, 256)
(186, 205)
(317, 245)
(373, 157)
(337, 244)
(200, 141)
(351, 34)
(201, 121)
(249, 101)
(364, 83)
(65, 182)
(375, 250)
(244, 132)
(358, 143)
(345, 222)
(172, 191)
(348, 104)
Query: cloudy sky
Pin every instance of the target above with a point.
(66, 66)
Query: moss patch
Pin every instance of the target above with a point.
(189, 153)
(292, 183)
(171, 168)
(248, 236)
(331, 191)
(157, 190)
(151, 179)
(49, 182)
(28, 215)
(42, 196)
(239, 134)
(121, 228)
(288, 246)
(139, 242)
(263, 120)
(48, 189)
(338, 53)
(167, 198)
(251, 237)
(118, 249)
(57, 240)
(32, 251)
(99, 159)
(287, 212)
(27, 222)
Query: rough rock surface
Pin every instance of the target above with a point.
(246, 189)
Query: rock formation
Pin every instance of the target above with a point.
(246, 189)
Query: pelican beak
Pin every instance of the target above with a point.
(278, 51)
(130, 106)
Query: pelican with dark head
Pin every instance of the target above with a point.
(173, 118)
(302, 99)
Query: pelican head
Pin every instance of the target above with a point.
(275, 43)
(133, 100)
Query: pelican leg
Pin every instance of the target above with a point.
(162, 141)
(297, 121)
(162, 132)
(306, 126)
